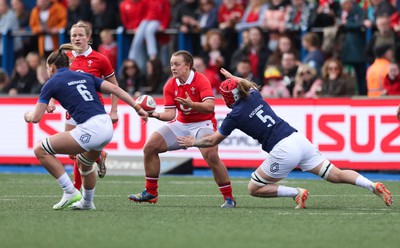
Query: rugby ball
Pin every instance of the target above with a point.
(147, 103)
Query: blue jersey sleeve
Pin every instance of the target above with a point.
(47, 92)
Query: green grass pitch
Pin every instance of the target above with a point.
(188, 214)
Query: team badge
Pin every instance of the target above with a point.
(193, 89)
(274, 167)
(85, 138)
(90, 62)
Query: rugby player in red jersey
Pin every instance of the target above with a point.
(189, 110)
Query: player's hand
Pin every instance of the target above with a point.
(398, 113)
(28, 116)
(72, 156)
(51, 108)
(187, 102)
(226, 73)
(114, 117)
(143, 114)
(154, 114)
(187, 141)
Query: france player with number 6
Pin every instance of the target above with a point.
(77, 93)
(285, 147)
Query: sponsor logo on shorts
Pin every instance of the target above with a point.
(274, 167)
(85, 138)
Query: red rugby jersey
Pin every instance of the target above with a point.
(199, 89)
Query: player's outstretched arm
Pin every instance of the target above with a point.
(37, 114)
(206, 141)
(227, 74)
(114, 101)
(110, 88)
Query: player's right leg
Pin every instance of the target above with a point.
(45, 150)
(154, 145)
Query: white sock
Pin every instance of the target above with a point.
(284, 191)
(66, 184)
(87, 196)
(364, 182)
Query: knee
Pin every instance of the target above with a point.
(252, 189)
(39, 151)
(151, 148)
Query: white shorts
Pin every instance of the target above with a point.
(95, 133)
(174, 129)
(294, 150)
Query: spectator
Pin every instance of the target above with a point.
(300, 16)
(22, 78)
(108, 47)
(307, 82)
(9, 22)
(77, 10)
(253, 16)
(208, 17)
(229, 14)
(314, 56)
(213, 53)
(274, 85)
(156, 18)
(375, 9)
(33, 60)
(334, 80)
(327, 12)
(47, 18)
(378, 70)
(285, 44)
(4, 81)
(132, 78)
(103, 17)
(274, 21)
(352, 50)
(154, 77)
(41, 78)
(391, 83)
(28, 44)
(185, 19)
(214, 78)
(289, 69)
(383, 35)
(256, 51)
(243, 70)
(126, 8)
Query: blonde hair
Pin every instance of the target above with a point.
(244, 86)
(87, 27)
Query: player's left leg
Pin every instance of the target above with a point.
(331, 173)
(220, 174)
(87, 169)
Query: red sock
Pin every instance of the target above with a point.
(226, 190)
(77, 176)
(152, 185)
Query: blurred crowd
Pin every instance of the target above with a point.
(290, 48)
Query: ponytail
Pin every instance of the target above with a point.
(59, 58)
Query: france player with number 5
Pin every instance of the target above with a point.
(286, 147)
(77, 93)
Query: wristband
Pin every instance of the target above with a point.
(137, 107)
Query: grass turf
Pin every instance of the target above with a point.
(188, 215)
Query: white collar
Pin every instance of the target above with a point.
(188, 81)
(85, 53)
